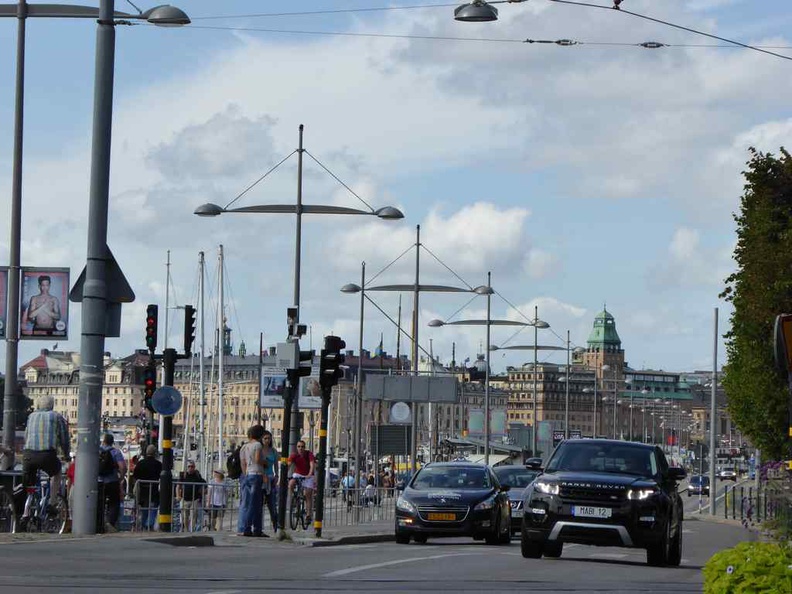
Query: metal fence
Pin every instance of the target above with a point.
(202, 507)
(754, 506)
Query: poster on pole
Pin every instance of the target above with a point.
(44, 307)
(3, 299)
(311, 391)
(273, 386)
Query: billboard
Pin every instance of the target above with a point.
(3, 299)
(273, 386)
(497, 422)
(44, 307)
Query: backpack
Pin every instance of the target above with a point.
(107, 464)
(234, 464)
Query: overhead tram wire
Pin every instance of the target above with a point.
(529, 41)
(323, 12)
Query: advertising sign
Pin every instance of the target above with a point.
(497, 422)
(558, 437)
(273, 386)
(3, 299)
(44, 307)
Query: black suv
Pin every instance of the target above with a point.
(605, 493)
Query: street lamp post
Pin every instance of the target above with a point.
(161, 15)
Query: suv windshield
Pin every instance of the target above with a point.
(603, 457)
(450, 477)
(515, 476)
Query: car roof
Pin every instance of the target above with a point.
(455, 464)
(631, 444)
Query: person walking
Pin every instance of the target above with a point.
(217, 500)
(190, 490)
(146, 487)
(112, 467)
(270, 455)
(251, 484)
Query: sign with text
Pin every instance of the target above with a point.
(273, 386)
(44, 307)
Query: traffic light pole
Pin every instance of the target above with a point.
(169, 357)
(326, 394)
(292, 380)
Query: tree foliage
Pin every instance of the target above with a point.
(760, 289)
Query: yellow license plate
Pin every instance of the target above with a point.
(442, 517)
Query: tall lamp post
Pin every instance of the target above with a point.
(417, 288)
(105, 50)
(298, 209)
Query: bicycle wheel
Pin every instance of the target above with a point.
(53, 521)
(33, 522)
(304, 515)
(294, 512)
(7, 514)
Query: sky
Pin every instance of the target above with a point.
(600, 174)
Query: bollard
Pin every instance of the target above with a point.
(726, 503)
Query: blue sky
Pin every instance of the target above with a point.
(578, 175)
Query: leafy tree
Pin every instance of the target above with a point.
(760, 289)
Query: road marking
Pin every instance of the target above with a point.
(224, 592)
(359, 568)
(608, 555)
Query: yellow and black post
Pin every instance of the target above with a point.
(320, 490)
(165, 518)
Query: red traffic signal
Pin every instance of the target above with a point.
(149, 384)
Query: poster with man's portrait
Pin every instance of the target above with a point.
(44, 308)
(3, 299)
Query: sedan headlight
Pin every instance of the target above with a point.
(640, 494)
(547, 488)
(404, 505)
(486, 504)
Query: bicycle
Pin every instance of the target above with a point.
(40, 515)
(297, 512)
(8, 518)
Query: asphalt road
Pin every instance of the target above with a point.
(121, 565)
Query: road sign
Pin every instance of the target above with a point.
(166, 401)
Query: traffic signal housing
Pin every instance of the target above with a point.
(152, 312)
(330, 362)
(189, 329)
(306, 363)
(149, 384)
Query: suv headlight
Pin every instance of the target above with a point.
(640, 494)
(488, 503)
(547, 488)
(404, 505)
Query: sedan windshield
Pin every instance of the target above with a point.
(449, 477)
(603, 457)
(515, 476)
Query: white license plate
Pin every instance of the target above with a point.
(517, 513)
(584, 511)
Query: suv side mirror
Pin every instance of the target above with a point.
(534, 463)
(676, 474)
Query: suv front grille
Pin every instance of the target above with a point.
(592, 494)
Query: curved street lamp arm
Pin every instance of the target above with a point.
(429, 288)
(484, 323)
(528, 347)
(62, 11)
(292, 209)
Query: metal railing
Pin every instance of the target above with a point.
(752, 506)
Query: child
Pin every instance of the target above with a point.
(218, 499)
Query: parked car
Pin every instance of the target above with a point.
(604, 493)
(454, 499)
(516, 478)
(699, 485)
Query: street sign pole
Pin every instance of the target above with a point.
(292, 380)
(169, 357)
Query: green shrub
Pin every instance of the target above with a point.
(750, 568)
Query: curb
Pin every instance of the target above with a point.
(352, 539)
(184, 541)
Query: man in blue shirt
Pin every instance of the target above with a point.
(109, 483)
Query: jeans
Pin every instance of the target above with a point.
(148, 516)
(271, 501)
(250, 503)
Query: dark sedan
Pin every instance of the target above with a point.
(516, 478)
(454, 499)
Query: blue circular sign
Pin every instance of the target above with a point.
(166, 400)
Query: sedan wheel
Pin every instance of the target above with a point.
(420, 538)
(402, 539)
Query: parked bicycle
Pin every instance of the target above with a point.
(298, 516)
(7, 513)
(43, 513)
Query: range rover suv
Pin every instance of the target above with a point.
(604, 493)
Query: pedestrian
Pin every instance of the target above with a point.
(190, 490)
(370, 492)
(303, 464)
(112, 467)
(270, 495)
(146, 487)
(251, 483)
(217, 500)
(46, 431)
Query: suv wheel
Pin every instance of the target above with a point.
(675, 549)
(402, 539)
(530, 549)
(420, 538)
(657, 554)
(553, 549)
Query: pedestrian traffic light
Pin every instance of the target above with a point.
(151, 327)
(306, 363)
(189, 329)
(149, 384)
(330, 362)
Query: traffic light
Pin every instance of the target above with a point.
(149, 383)
(330, 362)
(189, 329)
(306, 363)
(151, 327)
